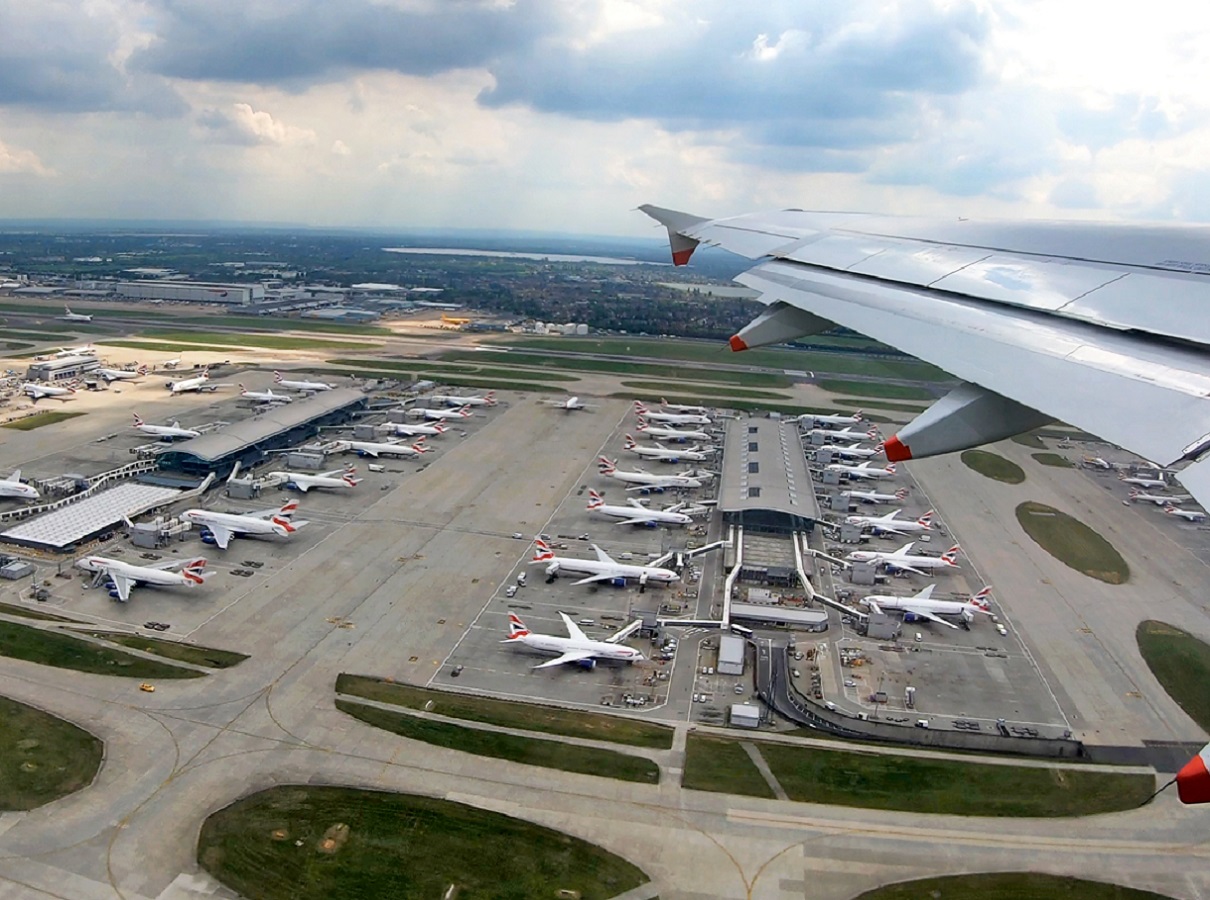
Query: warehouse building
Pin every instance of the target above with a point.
(193, 292)
(62, 368)
(250, 441)
(731, 655)
(765, 485)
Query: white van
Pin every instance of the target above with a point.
(919, 637)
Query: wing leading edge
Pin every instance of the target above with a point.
(1100, 326)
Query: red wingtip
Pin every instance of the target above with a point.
(681, 257)
(737, 343)
(1193, 781)
(896, 450)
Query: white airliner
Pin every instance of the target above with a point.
(864, 470)
(1158, 499)
(165, 431)
(571, 404)
(854, 451)
(1143, 481)
(635, 513)
(603, 568)
(846, 434)
(279, 378)
(655, 432)
(225, 526)
(85, 350)
(681, 408)
(440, 415)
(874, 496)
(577, 647)
(400, 430)
(922, 606)
(669, 418)
(488, 399)
(125, 576)
(69, 316)
(856, 419)
(338, 478)
(664, 454)
(645, 481)
(890, 524)
(388, 448)
(171, 363)
(12, 486)
(42, 391)
(265, 396)
(198, 383)
(1189, 515)
(112, 375)
(903, 559)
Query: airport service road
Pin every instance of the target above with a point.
(1080, 631)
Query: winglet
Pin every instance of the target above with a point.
(677, 223)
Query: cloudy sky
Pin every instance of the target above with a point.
(564, 115)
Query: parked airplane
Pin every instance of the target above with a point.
(635, 513)
(1158, 499)
(664, 454)
(198, 383)
(655, 432)
(669, 418)
(603, 568)
(14, 487)
(645, 481)
(279, 378)
(42, 391)
(400, 430)
(903, 559)
(874, 496)
(69, 316)
(846, 434)
(388, 448)
(577, 647)
(681, 408)
(889, 524)
(856, 419)
(488, 399)
(923, 606)
(440, 415)
(165, 431)
(1189, 515)
(1143, 481)
(337, 478)
(265, 396)
(126, 576)
(571, 404)
(171, 363)
(864, 470)
(854, 451)
(85, 350)
(112, 375)
(225, 526)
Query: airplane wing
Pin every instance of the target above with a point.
(569, 656)
(926, 593)
(222, 535)
(903, 567)
(602, 556)
(600, 576)
(924, 614)
(637, 520)
(573, 630)
(121, 583)
(1095, 324)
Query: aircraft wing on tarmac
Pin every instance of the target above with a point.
(1100, 325)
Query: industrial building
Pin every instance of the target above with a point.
(731, 655)
(796, 617)
(250, 441)
(764, 484)
(74, 523)
(63, 368)
(193, 292)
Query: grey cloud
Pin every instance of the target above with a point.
(1127, 116)
(1074, 193)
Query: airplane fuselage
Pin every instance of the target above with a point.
(549, 643)
(561, 564)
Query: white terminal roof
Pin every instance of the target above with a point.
(68, 525)
(764, 468)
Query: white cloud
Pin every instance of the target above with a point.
(242, 124)
(15, 161)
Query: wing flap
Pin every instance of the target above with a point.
(569, 656)
(925, 614)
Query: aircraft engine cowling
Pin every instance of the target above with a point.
(586, 663)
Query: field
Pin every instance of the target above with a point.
(991, 465)
(709, 392)
(51, 648)
(37, 420)
(875, 389)
(188, 653)
(42, 757)
(1006, 886)
(255, 339)
(1181, 663)
(721, 765)
(1072, 542)
(411, 367)
(1053, 459)
(161, 347)
(510, 713)
(271, 845)
(525, 750)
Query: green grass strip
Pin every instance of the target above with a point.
(485, 371)
(1007, 886)
(42, 757)
(53, 648)
(510, 713)
(994, 466)
(256, 339)
(37, 420)
(722, 766)
(1029, 439)
(1056, 460)
(13, 609)
(270, 845)
(188, 653)
(448, 378)
(705, 391)
(1181, 663)
(526, 750)
(162, 347)
(875, 389)
(1072, 543)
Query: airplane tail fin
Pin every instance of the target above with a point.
(607, 466)
(194, 571)
(542, 551)
(890, 467)
(980, 599)
(289, 508)
(516, 628)
(284, 525)
(419, 446)
(859, 416)
(137, 420)
(926, 520)
(901, 494)
(348, 478)
(639, 407)
(278, 377)
(439, 428)
(594, 499)
(950, 556)
(630, 444)
(490, 398)
(242, 390)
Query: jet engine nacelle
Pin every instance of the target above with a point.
(586, 663)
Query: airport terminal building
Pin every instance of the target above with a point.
(764, 484)
(193, 292)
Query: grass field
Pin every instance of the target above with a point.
(161, 347)
(721, 765)
(51, 648)
(189, 653)
(1181, 663)
(875, 389)
(1053, 459)
(12, 609)
(270, 846)
(510, 713)
(876, 781)
(991, 465)
(428, 365)
(37, 420)
(42, 757)
(273, 324)
(1029, 439)
(1006, 886)
(708, 392)
(448, 378)
(526, 750)
(260, 339)
(1072, 542)
(37, 337)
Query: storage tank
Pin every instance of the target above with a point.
(582, 329)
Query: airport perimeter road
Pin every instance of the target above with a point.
(410, 570)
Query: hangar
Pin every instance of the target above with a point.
(250, 441)
(764, 484)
